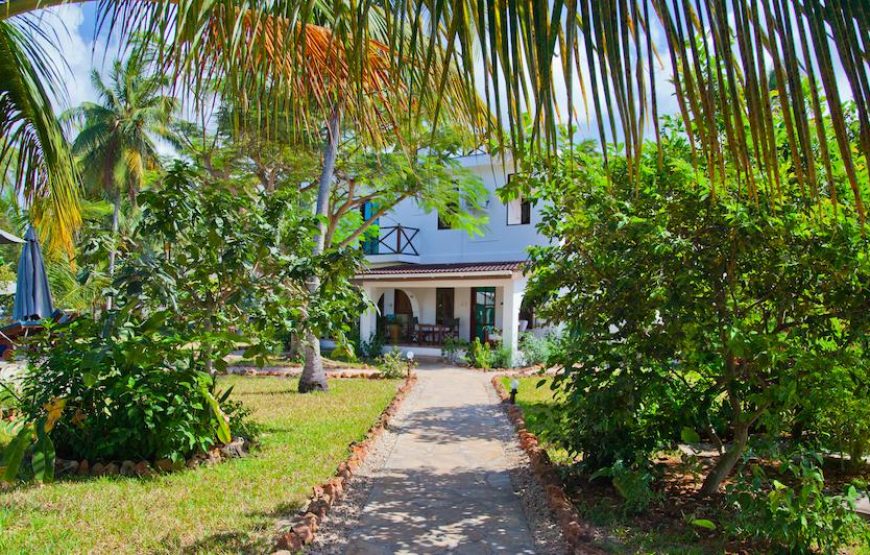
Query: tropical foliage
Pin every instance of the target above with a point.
(115, 144)
(687, 310)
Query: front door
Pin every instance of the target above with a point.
(482, 311)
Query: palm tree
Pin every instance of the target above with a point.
(34, 156)
(116, 143)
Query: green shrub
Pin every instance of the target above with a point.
(480, 355)
(798, 517)
(502, 358)
(373, 348)
(535, 349)
(132, 389)
(393, 365)
(682, 307)
(633, 485)
(453, 350)
(343, 350)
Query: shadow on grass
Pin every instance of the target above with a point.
(257, 538)
(272, 392)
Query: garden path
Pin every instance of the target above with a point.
(448, 484)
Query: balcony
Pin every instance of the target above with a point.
(394, 244)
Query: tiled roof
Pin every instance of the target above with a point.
(452, 268)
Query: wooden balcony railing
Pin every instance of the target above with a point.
(396, 239)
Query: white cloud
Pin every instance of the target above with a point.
(75, 51)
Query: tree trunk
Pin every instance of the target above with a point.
(113, 251)
(727, 461)
(313, 376)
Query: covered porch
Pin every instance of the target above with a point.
(419, 307)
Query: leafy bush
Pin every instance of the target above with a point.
(343, 350)
(132, 390)
(480, 355)
(393, 365)
(453, 350)
(633, 485)
(798, 517)
(536, 349)
(502, 358)
(373, 348)
(679, 303)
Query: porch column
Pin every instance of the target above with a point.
(368, 320)
(510, 317)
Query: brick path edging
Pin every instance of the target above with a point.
(577, 535)
(323, 496)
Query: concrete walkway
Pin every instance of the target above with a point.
(445, 487)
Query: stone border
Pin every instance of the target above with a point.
(576, 534)
(305, 524)
(237, 448)
(283, 372)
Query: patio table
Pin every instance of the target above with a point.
(432, 333)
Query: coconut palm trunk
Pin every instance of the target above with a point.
(113, 251)
(313, 375)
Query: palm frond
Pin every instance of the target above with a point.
(33, 138)
(718, 53)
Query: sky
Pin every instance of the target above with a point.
(78, 51)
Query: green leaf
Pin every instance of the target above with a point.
(43, 455)
(14, 453)
(704, 523)
(688, 435)
(223, 427)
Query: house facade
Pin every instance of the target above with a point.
(430, 283)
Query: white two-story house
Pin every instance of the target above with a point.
(430, 282)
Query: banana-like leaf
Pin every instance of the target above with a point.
(14, 453)
(43, 455)
(223, 425)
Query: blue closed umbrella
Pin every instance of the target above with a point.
(32, 295)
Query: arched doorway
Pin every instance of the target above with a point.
(398, 325)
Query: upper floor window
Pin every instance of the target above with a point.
(453, 207)
(519, 212)
(443, 224)
(370, 237)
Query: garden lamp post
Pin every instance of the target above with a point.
(410, 356)
(515, 385)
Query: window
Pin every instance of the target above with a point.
(453, 208)
(370, 237)
(519, 212)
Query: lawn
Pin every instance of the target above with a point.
(227, 508)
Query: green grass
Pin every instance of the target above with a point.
(535, 397)
(227, 508)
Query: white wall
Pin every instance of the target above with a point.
(499, 242)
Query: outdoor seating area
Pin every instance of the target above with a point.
(400, 329)
(435, 334)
